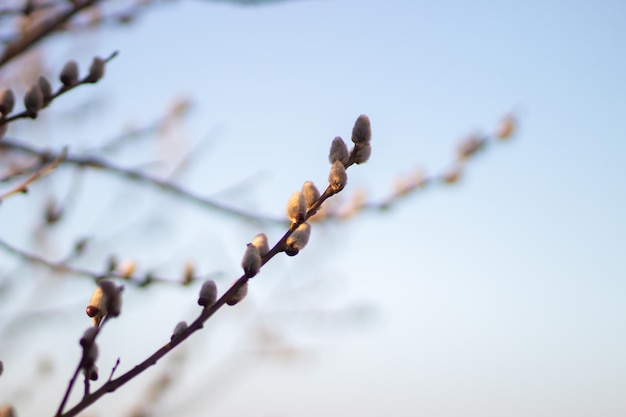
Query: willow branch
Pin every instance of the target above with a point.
(43, 29)
(23, 187)
(136, 175)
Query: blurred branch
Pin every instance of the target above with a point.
(138, 176)
(62, 267)
(43, 29)
(23, 187)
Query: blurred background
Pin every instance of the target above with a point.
(501, 293)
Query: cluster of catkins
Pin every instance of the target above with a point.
(40, 94)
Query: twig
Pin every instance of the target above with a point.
(62, 267)
(206, 314)
(139, 176)
(23, 187)
(62, 90)
(28, 8)
(42, 30)
(117, 363)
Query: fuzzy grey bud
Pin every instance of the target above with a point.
(311, 194)
(90, 356)
(7, 101)
(260, 242)
(362, 153)
(96, 70)
(208, 294)
(296, 207)
(46, 89)
(93, 372)
(181, 326)
(338, 151)
(238, 295)
(33, 100)
(338, 178)
(69, 74)
(469, 147)
(113, 297)
(299, 238)
(88, 337)
(251, 262)
(362, 131)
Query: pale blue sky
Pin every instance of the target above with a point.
(501, 296)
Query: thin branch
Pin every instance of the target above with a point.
(42, 30)
(138, 176)
(62, 90)
(64, 268)
(28, 8)
(23, 187)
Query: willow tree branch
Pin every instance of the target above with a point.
(23, 187)
(100, 163)
(43, 29)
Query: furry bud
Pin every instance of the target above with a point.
(362, 153)
(451, 175)
(362, 131)
(311, 194)
(338, 178)
(296, 207)
(260, 242)
(299, 238)
(238, 295)
(96, 70)
(338, 151)
(90, 356)
(251, 262)
(69, 74)
(33, 100)
(88, 337)
(113, 297)
(93, 372)
(208, 294)
(469, 146)
(46, 89)
(178, 330)
(506, 128)
(7, 101)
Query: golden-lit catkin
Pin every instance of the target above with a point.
(127, 268)
(260, 242)
(299, 238)
(33, 99)
(338, 151)
(69, 74)
(311, 194)
(469, 146)
(238, 295)
(362, 130)
(251, 262)
(96, 70)
(7, 411)
(208, 294)
(296, 207)
(46, 89)
(451, 175)
(97, 306)
(180, 327)
(506, 128)
(7, 101)
(338, 178)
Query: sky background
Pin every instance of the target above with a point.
(501, 295)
